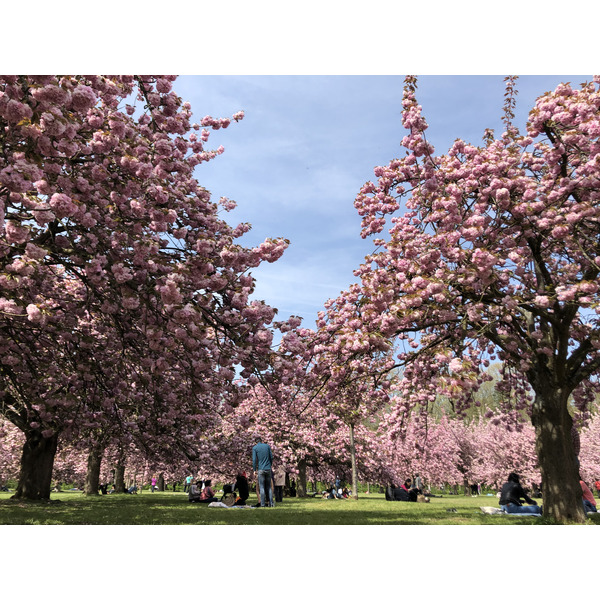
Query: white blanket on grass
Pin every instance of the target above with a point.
(222, 505)
(492, 510)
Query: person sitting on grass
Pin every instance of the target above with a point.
(329, 494)
(207, 494)
(242, 488)
(589, 503)
(194, 491)
(406, 492)
(406, 485)
(510, 498)
(402, 493)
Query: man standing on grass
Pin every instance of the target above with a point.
(262, 459)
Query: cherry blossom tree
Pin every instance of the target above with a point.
(11, 441)
(505, 442)
(124, 297)
(340, 366)
(590, 450)
(440, 450)
(447, 450)
(308, 439)
(492, 252)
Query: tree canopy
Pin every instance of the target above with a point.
(124, 297)
(492, 252)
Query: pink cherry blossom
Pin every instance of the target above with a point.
(126, 296)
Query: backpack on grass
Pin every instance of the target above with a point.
(229, 498)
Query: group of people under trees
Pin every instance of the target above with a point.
(409, 491)
(513, 499)
(235, 495)
(270, 488)
(336, 491)
(512, 494)
(269, 483)
(201, 491)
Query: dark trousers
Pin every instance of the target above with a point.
(278, 493)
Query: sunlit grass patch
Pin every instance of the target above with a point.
(172, 508)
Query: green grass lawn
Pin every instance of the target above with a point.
(172, 508)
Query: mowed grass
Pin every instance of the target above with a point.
(172, 508)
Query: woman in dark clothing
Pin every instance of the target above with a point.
(510, 498)
(242, 488)
(411, 493)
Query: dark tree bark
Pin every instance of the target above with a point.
(466, 487)
(37, 462)
(120, 478)
(92, 477)
(161, 482)
(561, 490)
(301, 489)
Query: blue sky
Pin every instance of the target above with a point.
(307, 144)
(298, 159)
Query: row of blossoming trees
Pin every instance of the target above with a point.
(444, 451)
(488, 253)
(127, 324)
(124, 297)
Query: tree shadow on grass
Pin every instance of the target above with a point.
(174, 509)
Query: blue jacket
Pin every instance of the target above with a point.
(262, 457)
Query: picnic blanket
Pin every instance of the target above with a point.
(222, 505)
(492, 510)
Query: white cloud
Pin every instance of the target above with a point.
(296, 162)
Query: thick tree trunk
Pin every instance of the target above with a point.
(92, 476)
(353, 462)
(161, 482)
(301, 489)
(37, 462)
(561, 491)
(120, 478)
